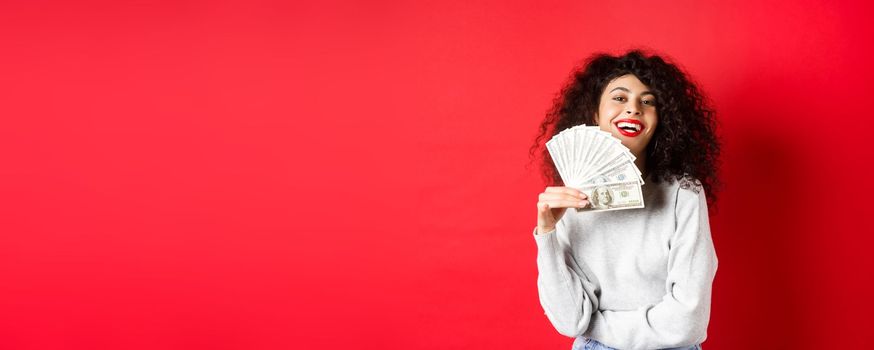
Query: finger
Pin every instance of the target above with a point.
(572, 194)
(565, 203)
(567, 190)
(544, 216)
(558, 196)
(542, 209)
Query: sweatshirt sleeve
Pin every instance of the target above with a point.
(681, 317)
(566, 293)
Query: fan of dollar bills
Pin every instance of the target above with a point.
(596, 163)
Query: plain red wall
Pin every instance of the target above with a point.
(352, 174)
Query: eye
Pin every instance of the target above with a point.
(619, 98)
(649, 102)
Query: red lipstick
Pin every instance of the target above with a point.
(629, 127)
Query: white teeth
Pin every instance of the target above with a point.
(636, 127)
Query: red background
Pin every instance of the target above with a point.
(351, 174)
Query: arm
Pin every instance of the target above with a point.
(682, 316)
(566, 293)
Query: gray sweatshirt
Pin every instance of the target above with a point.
(635, 278)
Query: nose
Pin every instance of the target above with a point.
(632, 108)
(632, 111)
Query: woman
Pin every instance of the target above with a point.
(636, 278)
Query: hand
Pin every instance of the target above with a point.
(552, 203)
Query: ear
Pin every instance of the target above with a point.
(595, 119)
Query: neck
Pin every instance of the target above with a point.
(640, 162)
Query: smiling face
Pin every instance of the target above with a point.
(627, 110)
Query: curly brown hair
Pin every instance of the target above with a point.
(685, 140)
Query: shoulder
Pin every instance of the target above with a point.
(688, 182)
(689, 193)
(691, 214)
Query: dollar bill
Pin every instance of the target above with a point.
(612, 196)
(624, 172)
(597, 163)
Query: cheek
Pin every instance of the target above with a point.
(653, 121)
(605, 114)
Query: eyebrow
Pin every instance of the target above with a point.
(629, 91)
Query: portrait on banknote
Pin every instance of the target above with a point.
(601, 198)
